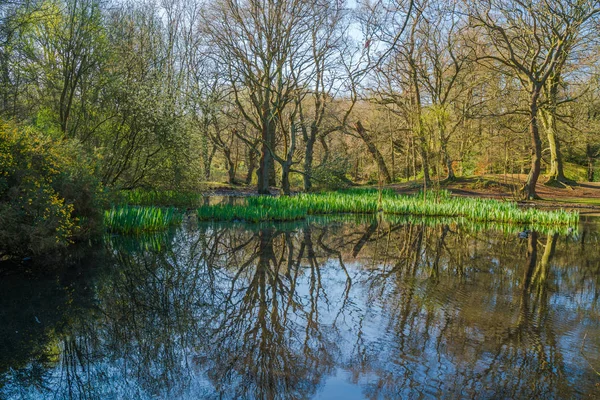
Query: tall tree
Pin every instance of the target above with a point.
(259, 41)
(68, 46)
(528, 38)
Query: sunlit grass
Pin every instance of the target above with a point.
(163, 198)
(478, 210)
(576, 200)
(135, 220)
(471, 226)
(252, 213)
(434, 204)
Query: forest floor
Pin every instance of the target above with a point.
(584, 196)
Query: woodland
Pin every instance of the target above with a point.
(100, 96)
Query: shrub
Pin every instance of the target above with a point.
(48, 194)
(332, 175)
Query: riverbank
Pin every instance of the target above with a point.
(583, 196)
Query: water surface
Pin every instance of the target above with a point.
(321, 309)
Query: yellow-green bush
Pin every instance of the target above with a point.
(48, 193)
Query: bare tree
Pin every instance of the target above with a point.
(329, 45)
(528, 38)
(260, 41)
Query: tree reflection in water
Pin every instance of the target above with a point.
(274, 311)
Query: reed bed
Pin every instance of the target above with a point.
(434, 204)
(136, 220)
(256, 213)
(478, 210)
(471, 226)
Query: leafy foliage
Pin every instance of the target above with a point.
(48, 194)
(164, 198)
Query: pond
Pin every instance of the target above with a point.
(351, 308)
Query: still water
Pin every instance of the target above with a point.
(321, 309)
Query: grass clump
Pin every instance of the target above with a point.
(471, 226)
(261, 210)
(135, 220)
(478, 210)
(163, 198)
(323, 203)
(434, 204)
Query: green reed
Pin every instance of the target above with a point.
(164, 198)
(132, 219)
(478, 210)
(434, 204)
(471, 226)
(255, 213)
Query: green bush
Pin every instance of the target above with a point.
(332, 175)
(48, 193)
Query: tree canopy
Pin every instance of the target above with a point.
(305, 94)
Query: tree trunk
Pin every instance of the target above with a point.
(204, 156)
(271, 169)
(528, 190)
(285, 178)
(548, 115)
(417, 122)
(310, 140)
(374, 152)
(451, 176)
(556, 163)
(414, 159)
(208, 163)
(286, 164)
(266, 164)
(590, 156)
(444, 149)
(5, 84)
(424, 158)
(251, 161)
(323, 142)
(230, 167)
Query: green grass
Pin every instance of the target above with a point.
(163, 198)
(472, 227)
(479, 210)
(136, 220)
(575, 171)
(263, 209)
(436, 204)
(577, 200)
(168, 198)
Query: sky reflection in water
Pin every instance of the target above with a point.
(312, 310)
